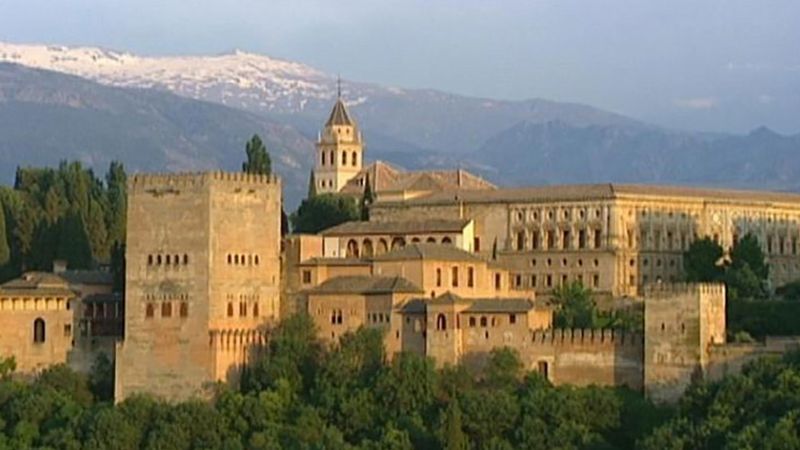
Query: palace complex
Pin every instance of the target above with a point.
(448, 266)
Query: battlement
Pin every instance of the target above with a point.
(145, 181)
(669, 290)
(586, 336)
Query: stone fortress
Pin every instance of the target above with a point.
(448, 265)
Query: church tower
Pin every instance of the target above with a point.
(340, 150)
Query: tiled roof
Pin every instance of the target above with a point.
(476, 305)
(103, 298)
(324, 261)
(87, 276)
(386, 178)
(579, 192)
(412, 226)
(36, 283)
(436, 252)
(339, 115)
(363, 284)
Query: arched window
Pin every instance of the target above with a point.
(367, 250)
(438, 277)
(332, 158)
(255, 259)
(149, 311)
(471, 321)
(354, 159)
(158, 260)
(255, 309)
(431, 240)
(185, 259)
(38, 331)
(441, 322)
(383, 247)
(166, 309)
(344, 158)
(149, 260)
(176, 259)
(230, 309)
(398, 242)
(415, 240)
(483, 321)
(168, 259)
(236, 259)
(184, 309)
(521, 240)
(454, 277)
(446, 240)
(322, 160)
(352, 249)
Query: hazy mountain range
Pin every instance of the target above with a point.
(187, 112)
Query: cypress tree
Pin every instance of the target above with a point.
(366, 199)
(312, 185)
(5, 250)
(116, 184)
(258, 160)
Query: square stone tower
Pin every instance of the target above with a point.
(682, 323)
(202, 280)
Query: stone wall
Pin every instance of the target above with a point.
(17, 319)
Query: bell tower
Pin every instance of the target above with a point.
(340, 149)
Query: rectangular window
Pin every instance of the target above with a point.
(455, 276)
(596, 280)
(438, 277)
(533, 281)
(306, 276)
(512, 319)
(470, 277)
(551, 239)
(497, 281)
(518, 280)
(166, 309)
(549, 280)
(476, 246)
(598, 238)
(564, 279)
(566, 238)
(582, 239)
(535, 240)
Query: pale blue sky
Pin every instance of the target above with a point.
(727, 65)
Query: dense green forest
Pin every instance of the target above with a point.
(65, 213)
(302, 395)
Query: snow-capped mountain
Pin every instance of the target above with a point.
(392, 119)
(238, 79)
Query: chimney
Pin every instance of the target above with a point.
(59, 266)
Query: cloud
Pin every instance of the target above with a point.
(695, 103)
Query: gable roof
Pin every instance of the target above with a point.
(384, 177)
(399, 227)
(436, 252)
(364, 284)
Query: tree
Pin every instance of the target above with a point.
(575, 306)
(366, 199)
(748, 252)
(323, 211)
(451, 433)
(7, 367)
(312, 185)
(5, 251)
(258, 160)
(73, 243)
(701, 262)
(116, 184)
